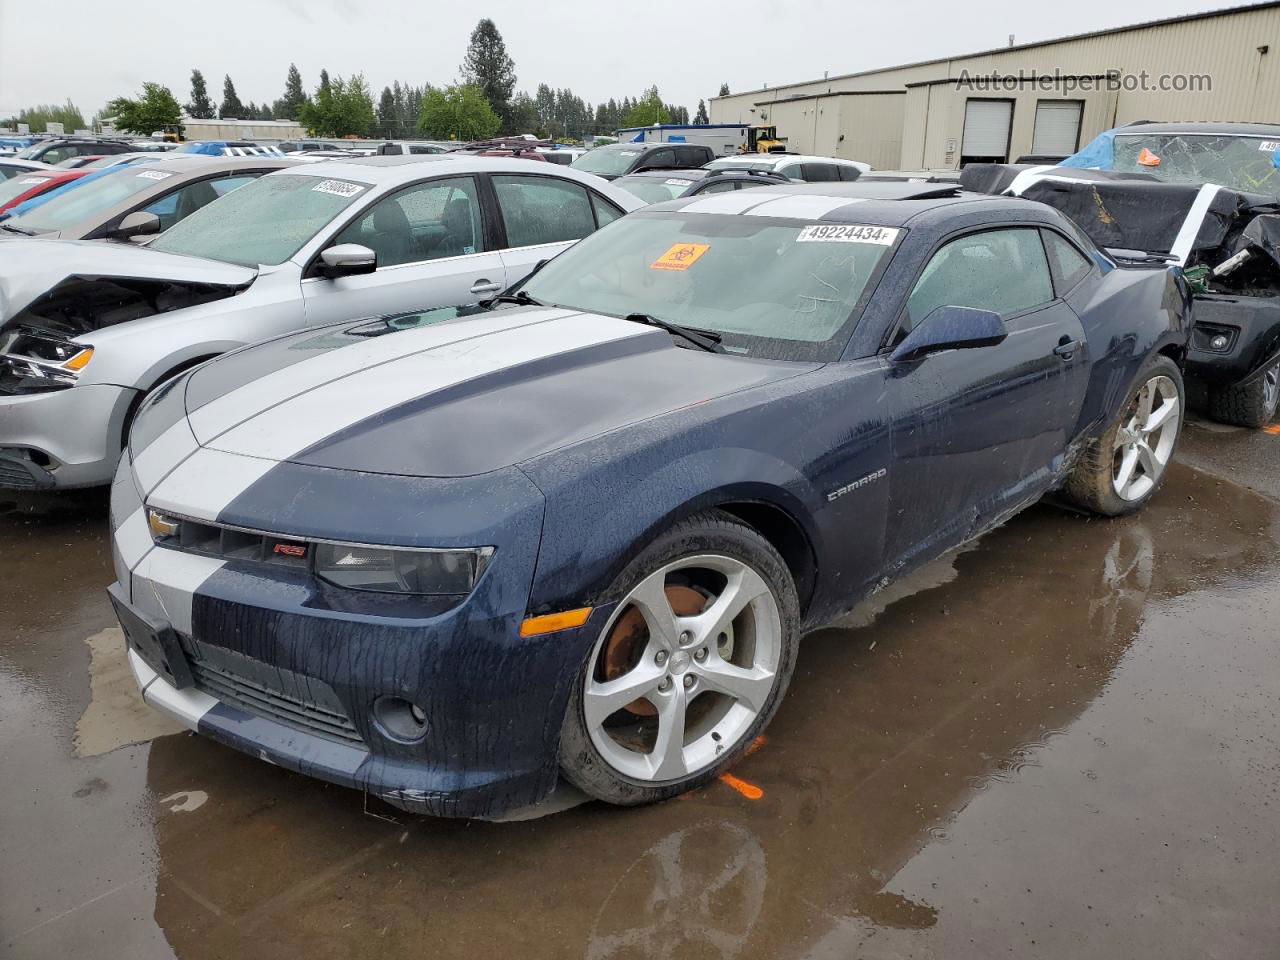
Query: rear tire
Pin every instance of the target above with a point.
(690, 667)
(1123, 468)
(1251, 404)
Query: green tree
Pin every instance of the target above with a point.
(200, 106)
(522, 115)
(388, 115)
(231, 106)
(488, 66)
(340, 108)
(287, 107)
(459, 112)
(724, 90)
(39, 117)
(153, 111)
(701, 116)
(647, 111)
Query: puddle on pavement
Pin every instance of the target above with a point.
(1059, 743)
(116, 715)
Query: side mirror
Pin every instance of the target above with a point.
(136, 224)
(347, 260)
(951, 328)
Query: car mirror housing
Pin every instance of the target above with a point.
(347, 260)
(951, 328)
(136, 224)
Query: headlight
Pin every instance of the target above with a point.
(383, 570)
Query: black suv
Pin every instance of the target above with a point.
(55, 151)
(619, 159)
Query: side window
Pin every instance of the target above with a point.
(58, 154)
(1069, 264)
(691, 157)
(424, 222)
(543, 210)
(721, 186)
(819, 172)
(1001, 270)
(661, 158)
(847, 173)
(606, 212)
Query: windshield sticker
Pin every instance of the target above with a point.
(677, 182)
(847, 233)
(154, 175)
(680, 257)
(339, 188)
(629, 153)
(1148, 159)
(1269, 146)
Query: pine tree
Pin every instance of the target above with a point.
(388, 118)
(287, 107)
(231, 105)
(488, 66)
(724, 90)
(200, 107)
(701, 115)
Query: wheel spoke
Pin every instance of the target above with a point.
(743, 586)
(1160, 415)
(602, 700)
(1128, 464)
(1146, 398)
(749, 686)
(667, 758)
(650, 598)
(1147, 457)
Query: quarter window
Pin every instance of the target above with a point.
(1069, 264)
(819, 172)
(1000, 270)
(540, 210)
(606, 212)
(425, 222)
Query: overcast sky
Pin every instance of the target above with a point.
(93, 50)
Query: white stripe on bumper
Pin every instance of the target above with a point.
(185, 706)
(165, 583)
(133, 538)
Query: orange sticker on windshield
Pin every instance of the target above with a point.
(680, 257)
(1148, 159)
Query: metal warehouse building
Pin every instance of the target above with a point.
(1049, 98)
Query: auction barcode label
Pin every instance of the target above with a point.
(847, 233)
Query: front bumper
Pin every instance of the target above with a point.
(63, 438)
(1252, 328)
(290, 670)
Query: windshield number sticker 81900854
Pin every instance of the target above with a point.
(847, 233)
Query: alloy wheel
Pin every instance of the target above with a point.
(683, 668)
(1145, 440)
(1271, 389)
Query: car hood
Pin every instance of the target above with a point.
(29, 269)
(456, 398)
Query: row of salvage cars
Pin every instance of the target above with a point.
(491, 507)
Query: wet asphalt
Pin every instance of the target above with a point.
(1062, 742)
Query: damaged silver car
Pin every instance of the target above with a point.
(87, 329)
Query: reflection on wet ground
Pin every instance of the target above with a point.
(1062, 742)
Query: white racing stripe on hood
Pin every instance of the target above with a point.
(290, 427)
(163, 454)
(203, 484)
(223, 413)
(133, 538)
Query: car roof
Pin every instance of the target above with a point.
(666, 173)
(1221, 127)
(776, 158)
(881, 203)
(404, 168)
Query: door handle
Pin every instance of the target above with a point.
(1066, 348)
(485, 286)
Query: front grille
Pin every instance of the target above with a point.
(14, 476)
(229, 543)
(259, 700)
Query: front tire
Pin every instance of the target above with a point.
(1122, 469)
(1252, 404)
(689, 668)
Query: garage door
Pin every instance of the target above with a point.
(986, 129)
(1057, 126)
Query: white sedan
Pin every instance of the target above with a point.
(87, 330)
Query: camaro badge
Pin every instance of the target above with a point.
(861, 482)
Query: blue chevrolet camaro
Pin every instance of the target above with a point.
(447, 558)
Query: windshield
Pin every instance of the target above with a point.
(264, 222)
(1241, 163)
(16, 186)
(782, 289)
(654, 189)
(607, 161)
(65, 208)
